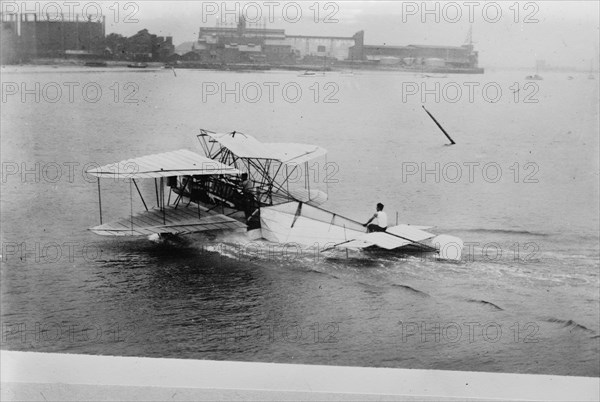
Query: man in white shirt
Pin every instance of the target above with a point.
(381, 224)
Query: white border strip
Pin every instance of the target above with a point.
(49, 368)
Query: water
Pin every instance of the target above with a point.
(533, 308)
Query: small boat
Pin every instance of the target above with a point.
(137, 65)
(312, 74)
(535, 77)
(96, 64)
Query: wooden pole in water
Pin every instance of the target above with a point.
(99, 201)
(131, 205)
(439, 125)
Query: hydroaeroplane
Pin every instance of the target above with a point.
(279, 201)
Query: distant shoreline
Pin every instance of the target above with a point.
(54, 62)
(341, 66)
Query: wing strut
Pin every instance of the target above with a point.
(182, 190)
(298, 213)
(162, 199)
(131, 205)
(139, 192)
(156, 188)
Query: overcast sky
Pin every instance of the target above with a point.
(564, 33)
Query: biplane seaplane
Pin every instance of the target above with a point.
(262, 189)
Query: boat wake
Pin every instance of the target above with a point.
(506, 231)
(411, 289)
(572, 325)
(487, 303)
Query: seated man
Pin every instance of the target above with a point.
(381, 224)
(246, 184)
(248, 200)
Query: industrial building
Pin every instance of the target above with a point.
(242, 44)
(416, 55)
(144, 46)
(31, 36)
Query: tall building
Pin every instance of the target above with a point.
(29, 35)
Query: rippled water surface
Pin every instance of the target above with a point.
(520, 187)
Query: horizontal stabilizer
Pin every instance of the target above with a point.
(413, 233)
(379, 239)
(178, 220)
(384, 240)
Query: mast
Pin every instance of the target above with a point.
(469, 38)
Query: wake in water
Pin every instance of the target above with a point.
(506, 231)
(237, 246)
(570, 324)
(410, 288)
(487, 303)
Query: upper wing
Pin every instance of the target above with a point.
(175, 163)
(246, 146)
(180, 220)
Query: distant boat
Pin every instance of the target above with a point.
(535, 77)
(570, 77)
(95, 64)
(311, 74)
(137, 65)
(433, 76)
